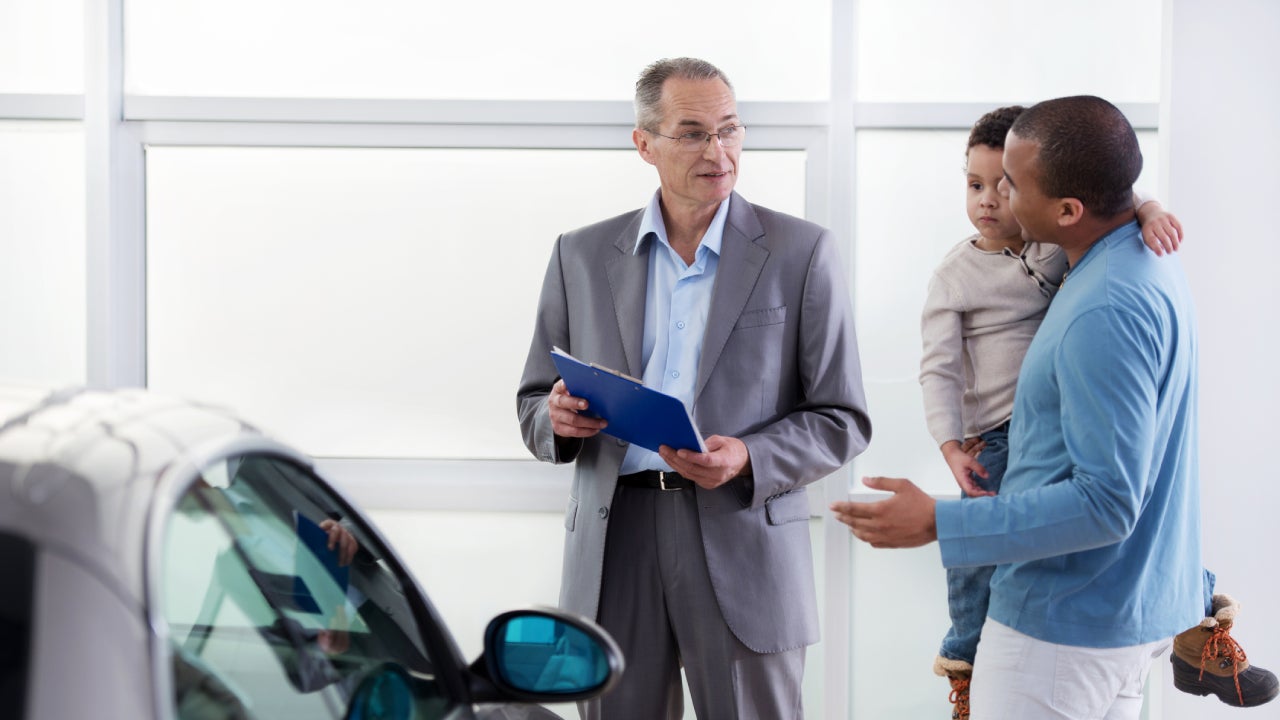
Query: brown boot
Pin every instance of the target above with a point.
(1206, 659)
(959, 673)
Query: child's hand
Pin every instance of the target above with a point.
(973, 446)
(962, 464)
(1161, 230)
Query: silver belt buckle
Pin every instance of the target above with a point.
(662, 481)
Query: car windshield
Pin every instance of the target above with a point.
(278, 605)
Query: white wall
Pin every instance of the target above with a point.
(1220, 115)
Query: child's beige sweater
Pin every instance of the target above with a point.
(982, 310)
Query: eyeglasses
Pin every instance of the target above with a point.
(698, 139)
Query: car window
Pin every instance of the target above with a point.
(17, 567)
(278, 605)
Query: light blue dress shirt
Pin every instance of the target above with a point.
(677, 301)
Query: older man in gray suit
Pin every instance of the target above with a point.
(687, 558)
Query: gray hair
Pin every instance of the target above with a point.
(649, 87)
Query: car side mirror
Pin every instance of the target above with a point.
(546, 655)
(385, 693)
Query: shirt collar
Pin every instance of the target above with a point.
(651, 224)
(1122, 233)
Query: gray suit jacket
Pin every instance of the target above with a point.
(779, 370)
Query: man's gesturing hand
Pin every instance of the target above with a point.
(903, 520)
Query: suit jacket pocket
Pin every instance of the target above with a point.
(571, 514)
(758, 318)
(788, 507)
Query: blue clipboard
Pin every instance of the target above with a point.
(313, 554)
(637, 414)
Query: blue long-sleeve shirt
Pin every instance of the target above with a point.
(1097, 528)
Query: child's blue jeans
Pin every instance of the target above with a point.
(969, 588)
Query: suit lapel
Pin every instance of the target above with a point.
(628, 274)
(741, 260)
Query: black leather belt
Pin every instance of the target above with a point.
(655, 480)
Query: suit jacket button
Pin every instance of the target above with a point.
(604, 513)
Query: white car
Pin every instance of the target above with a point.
(163, 559)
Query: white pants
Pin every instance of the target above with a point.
(1016, 677)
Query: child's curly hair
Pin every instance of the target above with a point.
(992, 127)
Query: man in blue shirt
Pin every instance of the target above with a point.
(1097, 529)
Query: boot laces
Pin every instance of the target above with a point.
(960, 697)
(1221, 645)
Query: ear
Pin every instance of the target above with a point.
(1070, 212)
(644, 145)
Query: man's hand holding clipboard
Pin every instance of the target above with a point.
(632, 412)
(590, 399)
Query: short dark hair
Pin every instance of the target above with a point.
(991, 128)
(648, 102)
(1088, 151)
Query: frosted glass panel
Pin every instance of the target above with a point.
(509, 49)
(517, 555)
(898, 616)
(375, 303)
(42, 253)
(1025, 50)
(42, 46)
(910, 212)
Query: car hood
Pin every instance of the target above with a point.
(80, 469)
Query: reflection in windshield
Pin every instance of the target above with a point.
(276, 599)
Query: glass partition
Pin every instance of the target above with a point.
(42, 46)
(42, 252)
(375, 303)
(943, 51)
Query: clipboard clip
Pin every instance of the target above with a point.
(611, 371)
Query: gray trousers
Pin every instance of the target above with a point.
(657, 601)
